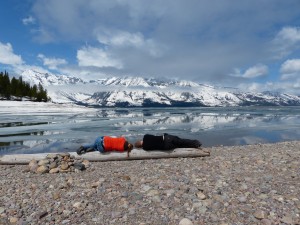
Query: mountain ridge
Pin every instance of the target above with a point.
(149, 92)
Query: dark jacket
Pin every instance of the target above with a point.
(167, 142)
(152, 142)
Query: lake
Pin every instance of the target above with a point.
(59, 131)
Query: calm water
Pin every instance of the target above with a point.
(212, 126)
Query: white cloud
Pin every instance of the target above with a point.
(88, 73)
(288, 76)
(90, 56)
(290, 69)
(290, 34)
(258, 70)
(251, 87)
(51, 63)
(288, 87)
(286, 41)
(7, 55)
(123, 39)
(290, 66)
(28, 20)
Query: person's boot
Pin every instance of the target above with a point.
(197, 144)
(81, 150)
(90, 150)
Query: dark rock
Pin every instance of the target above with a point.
(42, 214)
(79, 166)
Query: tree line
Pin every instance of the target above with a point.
(16, 89)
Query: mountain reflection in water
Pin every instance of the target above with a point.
(212, 126)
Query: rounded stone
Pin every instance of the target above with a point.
(259, 214)
(13, 220)
(185, 221)
(201, 196)
(266, 222)
(79, 166)
(54, 170)
(77, 205)
(32, 163)
(42, 169)
(43, 162)
(52, 165)
(64, 166)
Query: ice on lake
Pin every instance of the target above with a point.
(27, 127)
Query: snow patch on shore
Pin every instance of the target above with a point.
(27, 107)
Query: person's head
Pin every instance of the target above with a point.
(128, 146)
(138, 144)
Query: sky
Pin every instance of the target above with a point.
(252, 45)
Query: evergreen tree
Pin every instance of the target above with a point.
(14, 87)
(19, 88)
(27, 90)
(6, 86)
(1, 84)
(34, 91)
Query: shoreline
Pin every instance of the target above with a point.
(248, 184)
(205, 148)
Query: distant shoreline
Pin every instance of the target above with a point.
(81, 105)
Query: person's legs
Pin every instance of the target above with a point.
(172, 142)
(187, 143)
(96, 146)
(169, 142)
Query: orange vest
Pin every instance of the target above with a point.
(114, 143)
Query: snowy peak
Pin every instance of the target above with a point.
(146, 82)
(127, 81)
(47, 79)
(185, 83)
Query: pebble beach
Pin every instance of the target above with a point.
(251, 184)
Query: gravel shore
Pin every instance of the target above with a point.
(254, 184)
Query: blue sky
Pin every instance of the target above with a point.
(253, 45)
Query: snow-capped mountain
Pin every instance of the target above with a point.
(148, 92)
(46, 79)
(128, 81)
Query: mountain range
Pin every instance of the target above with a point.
(149, 92)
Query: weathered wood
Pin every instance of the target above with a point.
(112, 156)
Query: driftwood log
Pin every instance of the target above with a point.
(135, 154)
